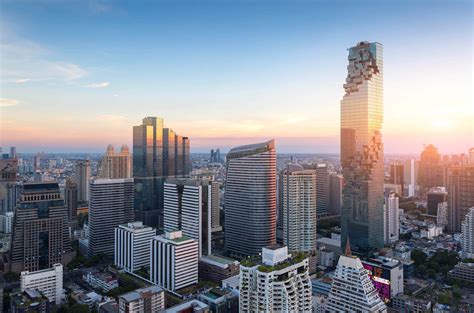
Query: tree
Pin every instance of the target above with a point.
(419, 257)
(431, 273)
(79, 308)
(443, 298)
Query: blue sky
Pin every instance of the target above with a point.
(76, 75)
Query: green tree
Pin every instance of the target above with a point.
(419, 257)
(79, 308)
(431, 273)
(443, 298)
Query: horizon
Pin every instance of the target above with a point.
(267, 71)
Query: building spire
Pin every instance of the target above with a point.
(348, 248)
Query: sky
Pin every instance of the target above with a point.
(77, 75)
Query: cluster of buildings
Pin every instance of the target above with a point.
(160, 222)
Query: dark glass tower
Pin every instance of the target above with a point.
(158, 153)
(250, 199)
(362, 149)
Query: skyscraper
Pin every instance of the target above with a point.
(467, 235)
(115, 165)
(410, 176)
(188, 207)
(8, 172)
(335, 193)
(250, 199)
(40, 229)
(434, 197)
(158, 153)
(70, 197)
(391, 218)
(83, 176)
(431, 171)
(322, 189)
(460, 194)
(299, 208)
(397, 174)
(362, 149)
(111, 205)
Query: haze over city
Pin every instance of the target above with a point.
(77, 75)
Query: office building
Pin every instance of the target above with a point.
(8, 173)
(217, 268)
(386, 275)
(83, 176)
(463, 271)
(215, 207)
(70, 196)
(6, 222)
(391, 219)
(29, 300)
(13, 154)
(174, 261)
(322, 189)
(460, 189)
(432, 172)
(300, 210)
(250, 199)
(352, 289)
(132, 246)
(111, 205)
(442, 215)
(48, 281)
(467, 235)
(434, 198)
(280, 283)
(158, 153)
(115, 165)
(362, 149)
(40, 229)
(397, 173)
(188, 207)
(410, 177)
(406, 303)
(336, 182)
(143, 300)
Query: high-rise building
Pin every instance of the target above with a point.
(322, 189)
(115, 165)
(336, 182)
(158, 153)
(48, 281)
(174, 261)
(188, 207)
(460, 189)
(143, 300)
(352, 289)
(40, 229)
(83, 176)
(280, 283)
(215, 207)
(432, 172)
(362, 149)
(70, 197)
(471, 156)
(397, 173)
(8, 173)
(434, 197)
(467, 235)
(391, 219)
(299, 209)
(111, 205)
(410, 176)
(13, 154)
(132, 246)
(250, 199)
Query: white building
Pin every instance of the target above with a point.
(188, 207)
(100, 280)
(132, 246)
(281, 283)
(6, 222)
(174, 261)
(299, 208)
(143, 300)
(467, 235)
(391, 219)
(442, 216)
(49, 282)
(352, 290)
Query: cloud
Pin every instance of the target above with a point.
(22, 80)
(99, 6)
(8, 102)
(68, 71)
(98, 85)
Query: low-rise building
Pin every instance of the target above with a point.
(192, 306)
(102, 281)
(463, 271)
(217, 268)
(143, 300)
(387, 276)
(221, 300)
(29, 300)
(49, 282)
(405, 303)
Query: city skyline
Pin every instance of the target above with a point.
(270, 71)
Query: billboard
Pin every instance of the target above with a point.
(381, 279)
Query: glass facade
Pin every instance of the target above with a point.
(362, 149)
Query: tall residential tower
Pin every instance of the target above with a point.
(362, 149)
